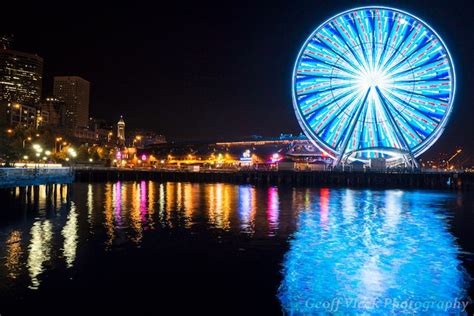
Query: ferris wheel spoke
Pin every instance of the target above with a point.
(330, 117)
(414, 112)
(349, 47)
(343, 56)
(421, 124)
(407, 135)
(396, 52)
(432, 114)
(353, 122)
(423, 68)
(361, 42)
(318, 103)
(406, 58)
(333, 65)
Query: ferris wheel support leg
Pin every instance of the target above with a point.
(352, 127)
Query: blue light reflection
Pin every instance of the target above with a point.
(375, 252)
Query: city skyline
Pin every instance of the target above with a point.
(229, 68)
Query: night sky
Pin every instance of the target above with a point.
(207, 70)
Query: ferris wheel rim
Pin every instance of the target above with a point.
(426, 143)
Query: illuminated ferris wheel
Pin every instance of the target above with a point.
(373, 82)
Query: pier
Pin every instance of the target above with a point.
(439, 181)
(22, 177)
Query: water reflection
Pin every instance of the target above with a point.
(14, 253)
(362, 246)
(70, 235)
(39, 250)
(373, 252)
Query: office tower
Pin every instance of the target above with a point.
(74, 92)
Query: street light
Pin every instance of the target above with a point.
(24, 141)
(139, 138)
(452, 157)
(56, 141)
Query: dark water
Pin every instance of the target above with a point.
(149, 247)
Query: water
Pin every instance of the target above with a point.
(236, 249)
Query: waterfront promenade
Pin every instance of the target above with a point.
(420, 180)
(23, 177)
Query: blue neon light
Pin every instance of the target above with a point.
(371, 82)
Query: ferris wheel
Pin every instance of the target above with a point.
(373, 82)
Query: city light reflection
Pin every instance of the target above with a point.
(14, 252)
(70, 235)
(273, 211)
(39, 250)
(247, 208)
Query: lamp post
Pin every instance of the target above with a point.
(56, 141)
(137, 138)
(452, 157)
(24, 141)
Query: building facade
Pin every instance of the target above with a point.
(74, 92)
(21, 76)
(56, 110)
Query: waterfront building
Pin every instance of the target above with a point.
(74, 92)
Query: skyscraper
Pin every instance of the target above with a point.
(21, 75)
(74, 92)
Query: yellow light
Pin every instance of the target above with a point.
(17, 106)
(25, 157)
(9, 131)
(58, 139)
(47, 153)
(29, 138)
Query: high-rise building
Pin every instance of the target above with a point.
(74, 92)
(121, 132)
(21, 75)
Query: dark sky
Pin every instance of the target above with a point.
(202, 70)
